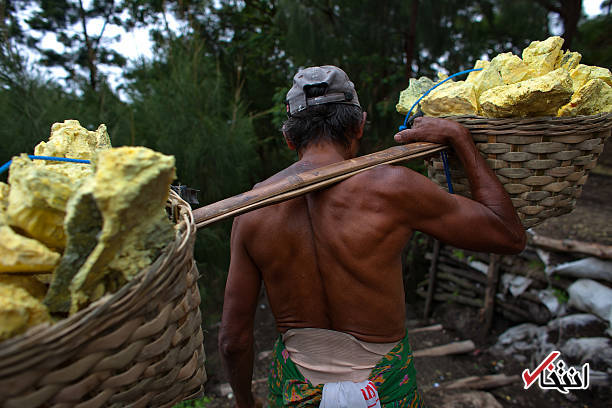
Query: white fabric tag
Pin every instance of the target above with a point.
(347, 394)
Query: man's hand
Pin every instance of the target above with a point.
(434, 130)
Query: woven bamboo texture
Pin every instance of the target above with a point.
(139, 347)
(542, 162)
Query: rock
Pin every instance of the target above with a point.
(452, 98)
(4, 192)
(409, 96)
(37, 200)
(504, 69)
(571, 321)
(594, 350)
(130, 188)
(590, 99)
(515, 284)
(584, 73)
(533, 97)
(70, 139)
(473, 77)
(593, 268)
(589, 296)
(31, 285)
(543, 56)
(22, 254)
(569, 60)
(523, 339)
(83, 225)
(18, 311)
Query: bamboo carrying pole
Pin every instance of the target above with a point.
(305, 182)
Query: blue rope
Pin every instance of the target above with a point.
(6, 165)
(408, 117)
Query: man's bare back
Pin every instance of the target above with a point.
(331, 259)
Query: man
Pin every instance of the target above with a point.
(330, 260)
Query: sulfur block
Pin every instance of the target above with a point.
(504, 69)
(473, 77)
(454, 98)
(540, 96)
(70, 139)
(569, 60)
(19, 311)
(543, 56)
(28, 282)
(4, 192)
(584, 73)
(22, 254)
(37, 200)
(416, 88)
(83, 224)
(592, 98)
(130, 188)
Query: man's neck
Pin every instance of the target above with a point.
(324, 153)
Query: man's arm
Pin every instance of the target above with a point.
(488, 222)
(236, 333)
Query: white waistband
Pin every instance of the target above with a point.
(324, 356)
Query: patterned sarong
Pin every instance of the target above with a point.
(394, 377)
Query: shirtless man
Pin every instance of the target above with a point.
(330, 260)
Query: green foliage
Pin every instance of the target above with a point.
(195, 403)
(459, 254)
(561, 295)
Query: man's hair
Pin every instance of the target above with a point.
(336, 122)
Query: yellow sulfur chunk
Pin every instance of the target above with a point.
(542, 56)
(37, 200)
(504, 69)
(28, 282)
(453, 98)
(18, 311)
(473, 77)
(592, 98)
(4, 192)
(533, 97)
(130, 187)
(584, 73)
(21, 254)
(569, 60)
(70, 139)
(409, 96)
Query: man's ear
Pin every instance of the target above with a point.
(359, 134)
(290, 144)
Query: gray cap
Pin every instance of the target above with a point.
(340, 89)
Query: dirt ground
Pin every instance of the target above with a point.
(589, 222)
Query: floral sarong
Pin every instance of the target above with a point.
(394, 377)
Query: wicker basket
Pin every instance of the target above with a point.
(141, 346)
(542, 162)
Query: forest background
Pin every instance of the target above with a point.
(212, 92)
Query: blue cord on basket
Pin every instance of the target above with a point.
(408, 118)
(6, 165)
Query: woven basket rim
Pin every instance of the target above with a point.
(46, 332)
(534, 119)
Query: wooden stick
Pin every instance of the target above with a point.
(459, 347)
(482, 383)
(432, 278)
(570, 245)
(435, 327)
(305, 182)
(489, 302)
